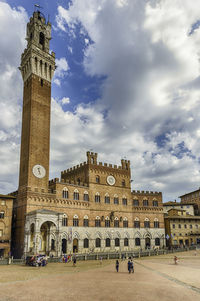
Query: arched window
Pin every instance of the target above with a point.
(2, 214)
(157, 241)
(41, 40)
(86, 196)
(65, 193)
(156, 223)
(75, 221)
(97, 222)
(76, 195)
(155, 203)
(107, 198)
(97, 179)
(117, 242)
(116, 222)
(97, 197)
(79, 181)
(136, 223)
(123, 183)
(124, 201)
(145, 203)
(86, 243)
(116, 199)
(126, 242)
(107, 242)
(36, 63)
(125, 223)
(135, 202)
(137, 241)
(107, 222)
(85, 221)
(50, 71)
(146, 223)
(64, 221)
(98, 243)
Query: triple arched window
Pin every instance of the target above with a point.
(65, 193)
(97, 222)
(116, 222)
(76, 194)
(107, 198)
(97, 197)
(146, 223)
(125, 223)
(75, 221)
(85, 221)
(136, 223)
(156, 223)
(86, 196)
(107, 222)
(64, 221)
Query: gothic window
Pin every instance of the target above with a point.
(2, 213)
(75, 221)
(107, 242)
(155, 203)
(41, 38)
(86, 196)
(107, 222)
(136, 223)
(97, 222)
(123, 183)
(65, 193)
(137, 241)
(124, 201)
(157, 241)
(147, 223)
(97, 179)
(145, 203)
(116, 223)
(86, 243)
(107, 199)
(126, 242)
(76, 195)
(116, 199)
(135, 202)
(97, 198)
(117, 242)
(98, 243)
(64, 221)
(85, 221)
(125, 223)
(156, 223)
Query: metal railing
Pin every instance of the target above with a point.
(108, 255)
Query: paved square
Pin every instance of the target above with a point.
(155, 278)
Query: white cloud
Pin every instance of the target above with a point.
(65, 100)
(61, 70)
(152, 89)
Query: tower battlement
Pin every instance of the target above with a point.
(142, 192)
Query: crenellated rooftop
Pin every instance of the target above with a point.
(145, 192)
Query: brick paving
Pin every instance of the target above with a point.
(155, 278)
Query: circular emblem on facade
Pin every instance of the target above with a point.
(39, 171)
(111, 180)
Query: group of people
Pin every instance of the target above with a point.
(130, 265)
(67, 258)
(37, 260)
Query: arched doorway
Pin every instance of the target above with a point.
(75, 245)
(47, 240)
(64, 246)
(147, 242)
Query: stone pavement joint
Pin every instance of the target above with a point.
(194, 288)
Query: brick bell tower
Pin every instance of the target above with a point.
(37, 69)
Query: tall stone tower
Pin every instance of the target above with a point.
(37, 68)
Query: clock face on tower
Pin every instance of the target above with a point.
(111, 180)
(39, 171)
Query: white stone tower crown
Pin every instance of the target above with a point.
(33, 60)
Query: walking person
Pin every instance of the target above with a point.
(132, 266)
(175, 260)
(74, 261)
(129, 266)
(117, 266)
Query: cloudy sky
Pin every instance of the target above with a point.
(127, 85)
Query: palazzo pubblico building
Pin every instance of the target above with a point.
(91, 208)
